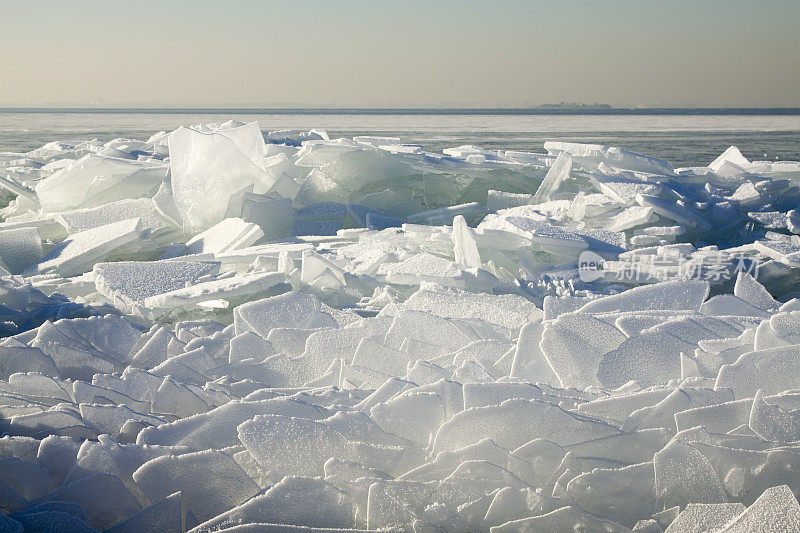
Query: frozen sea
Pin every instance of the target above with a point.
(686, 137)
(327, 342)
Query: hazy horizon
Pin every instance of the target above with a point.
(359, 54)
(537, 109)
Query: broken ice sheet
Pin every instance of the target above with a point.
(20, 248)
(224, 290)
(228, 234)
(230, 160)
(395, 352)
(143, 208)
(80, 251)
(127, 283)
(559, 171)
(96, 180)
(427, 267)
(595, 154)
(541, 419)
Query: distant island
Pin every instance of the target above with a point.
(573, 105)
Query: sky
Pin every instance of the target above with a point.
(391, 53)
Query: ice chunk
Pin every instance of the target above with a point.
(752, 292)
(301, 501)
(503, 200)
(228, 234)
(594, 154)
(96, 180)
(701, 517)
(380, 358)
(110, 419)
(14, 359)
(770, 219)
(667, 295)
(558, 172)
(10, 525)
(284, 445)
(428, 330)
(445, 215)
(165, 203)
(301, 310)
(775, 510)
(166, 515)
(20, 248)
(538, 232)
(574, 345)
(564, 519)
(28, 480)
(773, 370)
(43, 518)
(730, 305)
(511, 504)
(533, 418)
(379, 221)
(126, 283)
(674, 211)
(464, 245)
(103, 496)
(156, 346)
(412, 415)
(209, 168)
(216, 428)
(273, 215)
(175, 398)
(144, 208)
(493, 355)
(14, 186)
(746, 194)
(428, 267)
(731, 155)
(344, 342)
(232, 288)
(210, 482)
(625, 495)
(684, 475)
(654, 354)
(793, 220)
(529, 362)
(485, 394)
(80, 251)
(506, 310)
(631, 217)
(72, 355)
(623, 189)
(465, 151)
(773, 423)
(784, 251)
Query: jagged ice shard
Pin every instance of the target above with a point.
(209, 167)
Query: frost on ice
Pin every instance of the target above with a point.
(224, 329)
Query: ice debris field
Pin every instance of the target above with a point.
(224, 329)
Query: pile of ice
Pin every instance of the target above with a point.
(226, 329)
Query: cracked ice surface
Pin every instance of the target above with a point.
(225, 329)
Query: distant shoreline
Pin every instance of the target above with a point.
(747, 111)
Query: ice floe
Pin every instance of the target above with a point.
(227, 329)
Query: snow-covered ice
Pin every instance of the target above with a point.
(227, 329)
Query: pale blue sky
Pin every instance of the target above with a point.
(358, 53)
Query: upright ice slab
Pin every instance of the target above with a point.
(209, 168)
